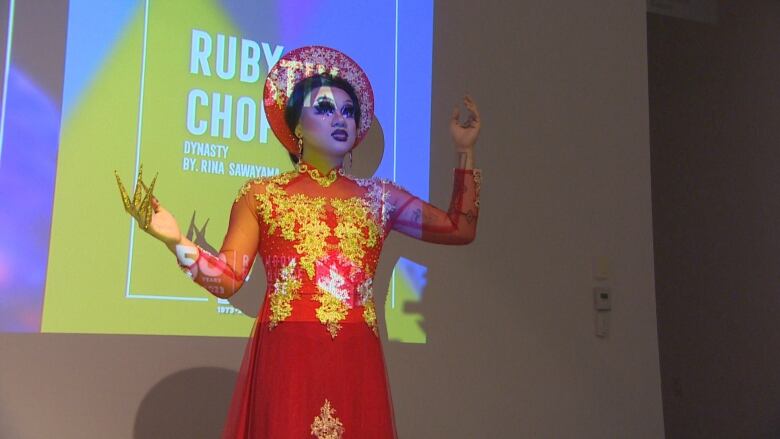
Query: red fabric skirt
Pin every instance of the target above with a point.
(296, 381)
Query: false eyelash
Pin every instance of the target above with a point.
(324, 106)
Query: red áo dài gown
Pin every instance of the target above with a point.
(314, 365)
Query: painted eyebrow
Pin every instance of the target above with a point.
(328, 99)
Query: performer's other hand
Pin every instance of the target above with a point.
(465, 134)
(151, 216)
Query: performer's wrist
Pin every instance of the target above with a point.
(183, 245)
(187, 256)
(175, 243)
(466, 158)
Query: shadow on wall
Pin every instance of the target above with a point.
(189, 403)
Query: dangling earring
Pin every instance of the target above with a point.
(346, 164)
(300, 154)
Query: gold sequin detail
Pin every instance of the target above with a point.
(286, 289)
(244, 189)
(316, 175)
(312, 244)
(355, 229)
(326, 425)
(331, 311)
(283, 211)
(369, 315)
(302, 218)
(477, 174)
(248, 185)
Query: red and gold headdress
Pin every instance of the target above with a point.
(306, 62)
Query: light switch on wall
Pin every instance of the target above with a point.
(602, 304)
(602, 298)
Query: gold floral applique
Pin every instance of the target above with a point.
(331, 311)
(247, 187)
(301, 217)
(312, 244)
(286, 289)
(316, 175)
(244, 189)
(356, 230)
(326, 425)
(284, 211)
(369, 315)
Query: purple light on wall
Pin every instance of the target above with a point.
(27, 176)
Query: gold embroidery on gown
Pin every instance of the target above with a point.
(322, 180)
(286, 289)
(244, 189)
(302, 218)
(331, 311)
(326, 425)
(333, 297)
(353, 218)
(305, 211)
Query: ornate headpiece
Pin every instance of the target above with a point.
(306, 62)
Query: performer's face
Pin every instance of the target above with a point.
(327, 121)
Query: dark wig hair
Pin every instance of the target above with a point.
(292, 113)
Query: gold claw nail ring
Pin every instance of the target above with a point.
(140, 203)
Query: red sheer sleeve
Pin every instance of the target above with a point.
(223, 274)
(419, 219)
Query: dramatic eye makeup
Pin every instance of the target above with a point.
(325, 105)
(348, 110)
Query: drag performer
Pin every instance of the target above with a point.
(314, 365)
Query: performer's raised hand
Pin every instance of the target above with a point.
(465, 134)
(148, 212)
